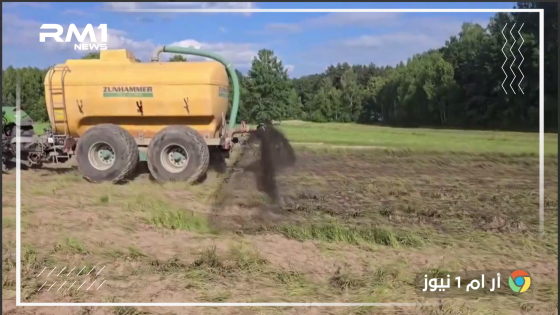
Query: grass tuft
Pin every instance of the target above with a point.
(355, 236)
(180, 220)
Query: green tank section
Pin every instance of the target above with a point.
(9, 116)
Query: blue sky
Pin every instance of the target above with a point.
(305, 42)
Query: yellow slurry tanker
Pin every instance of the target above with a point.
(113, 112)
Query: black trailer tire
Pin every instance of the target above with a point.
(125, 154)
(181, 140)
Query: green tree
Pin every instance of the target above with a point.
(351, 96)
(268, 88)
(92, 55)
(32, 90)
(326, 102)
(177, 58)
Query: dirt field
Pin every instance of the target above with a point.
(354, 226)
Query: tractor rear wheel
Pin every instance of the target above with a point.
(178, 153)
(107, 152)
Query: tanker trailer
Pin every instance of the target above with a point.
(113, 112)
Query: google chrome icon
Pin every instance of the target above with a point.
(519, 281)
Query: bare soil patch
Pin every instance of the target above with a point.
(350, 226)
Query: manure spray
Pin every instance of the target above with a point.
(270, 152)
(275, 153)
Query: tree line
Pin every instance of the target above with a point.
(456, 86)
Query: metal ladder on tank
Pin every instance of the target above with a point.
(58, 105)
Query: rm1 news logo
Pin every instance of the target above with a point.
(72, 29)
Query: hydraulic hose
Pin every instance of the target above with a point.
(230, 69)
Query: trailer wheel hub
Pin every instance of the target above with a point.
(174, 158)
(101, 156)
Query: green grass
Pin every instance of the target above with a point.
(71, 245)
(351, 235)
(179, 220)
(419, 139)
